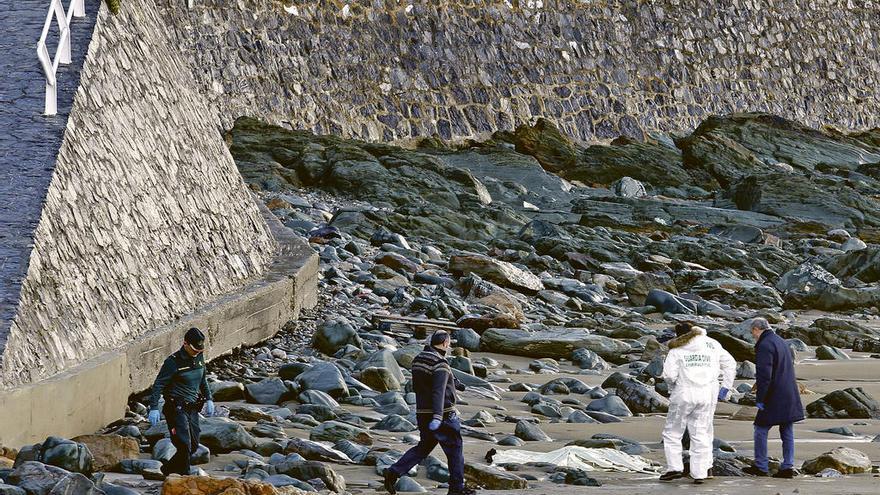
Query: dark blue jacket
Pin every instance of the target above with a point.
(776, 382)
(182, 378)
(433, 384)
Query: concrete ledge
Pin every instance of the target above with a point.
(90, 396)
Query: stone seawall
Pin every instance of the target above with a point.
(387, 70)
(147, 229)
(146, 217)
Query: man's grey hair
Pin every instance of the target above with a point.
(761, 324)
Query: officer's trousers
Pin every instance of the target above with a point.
(448, 435)
(183, 425)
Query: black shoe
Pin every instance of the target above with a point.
(390, 481)
(464, 491)
(671, 475)
(699, 481)
(710, 474)
(784, 473)
(755, 471)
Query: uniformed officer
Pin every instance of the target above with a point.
(183, 383)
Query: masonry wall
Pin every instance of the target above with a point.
(146, 218)
(390, 70)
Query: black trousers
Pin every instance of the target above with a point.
(183, 425)
(448, 435)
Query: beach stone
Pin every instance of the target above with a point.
(63, 453)
(75, 484)
(408, 485)
(639, 398)
(379, 379)
(383, 358)
(511, 441)
(853, 244)
(333, 431)
(314, 451)
(492, 478)
(222, 435)
(164, 450)
(202, 455)
(496, 271)
(580, 417)
(267, 391)
(611, 404)
(436, 469)
(308, 470)
(318, 398)
(551, 342)
(108, 450)
(467, 338)
(462, 364)
(829, 473)
(37, 478)
(530, 432)
(547, 409)
(268, 429)
(839, 430)
(11, 490)
(586, 359)
(290, 371)
(638, 288)
(332, 335)
(243, 412)
(829, 353)
(746, 370)
(848, 403)
(355, 451)
(603, 417)
(843, 459)
(226, 391)
(627, 187)
(395, 423)
(284, 481)
(137, 466)
(325, 377)
(205, 485)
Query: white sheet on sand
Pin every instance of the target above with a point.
(581, 458)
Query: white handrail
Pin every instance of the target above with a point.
(76, 8)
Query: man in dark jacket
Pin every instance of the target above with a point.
(183, 383)
(778, 399)
(437, 419)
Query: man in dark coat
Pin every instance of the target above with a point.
(778, 399)
(183, 383)
(437, 419)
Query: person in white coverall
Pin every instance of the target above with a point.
(691, 370)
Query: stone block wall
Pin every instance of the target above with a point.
(391, 70)
(146, 218)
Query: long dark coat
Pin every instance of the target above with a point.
(775, 379)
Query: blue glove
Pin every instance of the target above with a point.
(434, 424)
(722, 394)
(760, 406)
(209, 407)
(154, 417)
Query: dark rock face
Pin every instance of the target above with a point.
(640, 398)
(847, 403)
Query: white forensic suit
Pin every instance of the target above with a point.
(691, 370)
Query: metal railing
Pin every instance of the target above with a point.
(76, 8)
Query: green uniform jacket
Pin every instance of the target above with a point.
(181, 378)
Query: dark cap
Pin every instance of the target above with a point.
(195, 338)
(439, 337)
